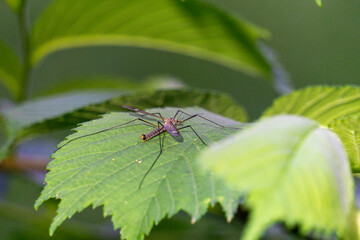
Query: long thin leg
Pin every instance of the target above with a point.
(152, 165)
(188, 126)
(197, 115)
(104, 130)
(177, 113)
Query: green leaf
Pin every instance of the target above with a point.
(97, 83)
(107, 168)
(328, 106)
(318, 2)
(67, 110)
(19, 220)
(15, 5)
(10, 69)
(321, 103)
(20, 119)
(348, 129)
(291, 171)
(186, 27)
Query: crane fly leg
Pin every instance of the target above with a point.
(197, 115)
(188, 126)
(153, 164)
(104, 130)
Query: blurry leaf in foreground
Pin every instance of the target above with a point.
(292, 171)
(191, 27)
(10, 69)
(337, 108)
(107, 168)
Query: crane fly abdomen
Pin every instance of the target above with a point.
(152, 134)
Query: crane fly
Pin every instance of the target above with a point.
(170, 125)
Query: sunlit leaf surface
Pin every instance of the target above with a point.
(334, 107)
(107, 168)
(321, 103)
(348, 129)
(292, 171)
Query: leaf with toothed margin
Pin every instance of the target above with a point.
(292, 171)
(348, 130)
(321, 103)
(334, 107)
(107, 168)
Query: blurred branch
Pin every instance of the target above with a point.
(24, 164)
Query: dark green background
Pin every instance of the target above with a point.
(316, 46)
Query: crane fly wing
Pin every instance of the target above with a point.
(140, 111)
(171, 129)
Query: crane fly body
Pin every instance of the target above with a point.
(170, 125)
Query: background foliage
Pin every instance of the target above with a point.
(194, 44)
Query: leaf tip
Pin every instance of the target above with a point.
(37, 204)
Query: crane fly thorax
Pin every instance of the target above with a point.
(169, 125)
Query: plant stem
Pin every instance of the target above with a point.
(25, 48)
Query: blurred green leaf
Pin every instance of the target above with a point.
(348, 129)
(67, 110)
(107, 168)
(10, 69)
(321, 103)
(186, 27)
(18, 120)
(210, 227)
(291, 171)
(96, 83)
(318, 2)
(19, 220)
(14, 5)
